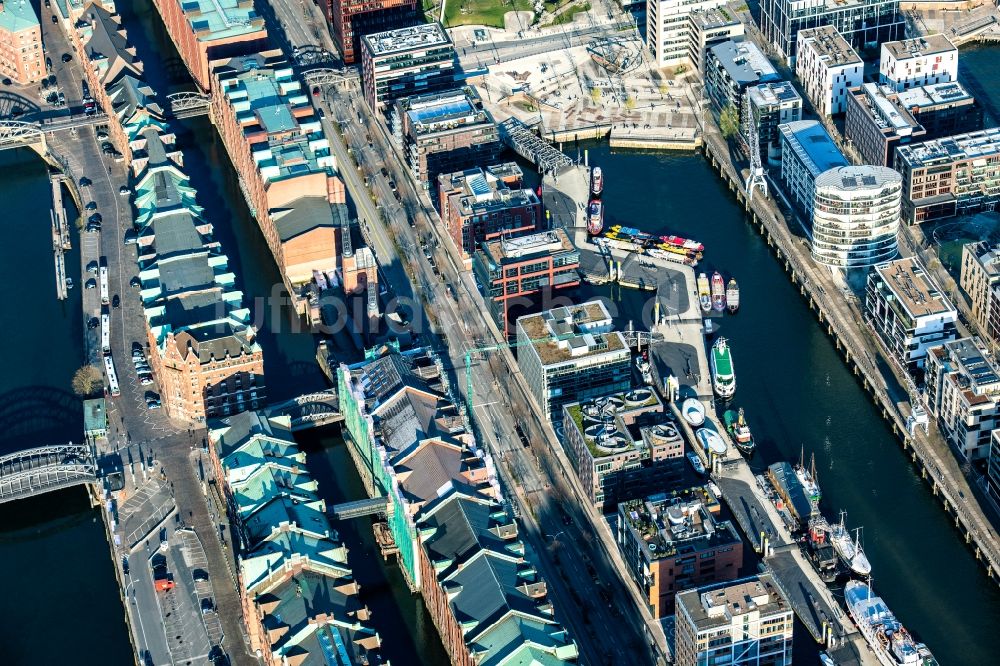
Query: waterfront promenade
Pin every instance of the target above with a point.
(840, 313)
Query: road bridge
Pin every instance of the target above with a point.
(36, 471)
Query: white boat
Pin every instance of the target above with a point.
(693, 412)
(841, 541)
(723, 374)
(887, 637)
(711, 441)
(714, 487)
(69, 283)
(859, 563)
(807, 477)
(704, 292)
(696, 462)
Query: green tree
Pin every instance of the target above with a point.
(87, 381)
(729, 122)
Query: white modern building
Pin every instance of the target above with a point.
(827, 66)
(743, 623)
(863, 23)
(806, 151)
(908, 311)
(918, 62)
(708, 27)
(668, 28)
(962, 392)
(856, 211)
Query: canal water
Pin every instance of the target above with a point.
(799, 395)
(57, 574)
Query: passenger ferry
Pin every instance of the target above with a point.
(723, 375)
(887, 637)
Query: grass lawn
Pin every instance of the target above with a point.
(568, 14)
(482, 12)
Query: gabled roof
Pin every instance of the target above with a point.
(301, 216)
(107, 44)
(239, 432)
(431, 466)
(288, 548)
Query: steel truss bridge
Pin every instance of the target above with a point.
(188, 104)
(36, 471)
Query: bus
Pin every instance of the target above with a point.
(105, 297)
(109, 367)
(106, 334)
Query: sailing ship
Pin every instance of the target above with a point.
(849, 548)
(596, 181)
(807, 477)
(704, 293)
(723, 374)
(887, 637)
(595, 217)
(739, 430)
(733, 296)
(718, 292)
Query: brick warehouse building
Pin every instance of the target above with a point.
(206, 30)
(353, 19)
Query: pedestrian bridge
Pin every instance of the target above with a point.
(311, 410)
(36, 471)
(359, 508)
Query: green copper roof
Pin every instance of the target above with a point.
(17, 15)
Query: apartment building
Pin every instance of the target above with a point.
(748, 622)
(416, 60)
(943, 109)
(828, 68)
(856, 216)
(773, 104)
(732, 67)
(482, 204)
(877, 122)
(353, 19)
(513, 271)
(980, 280)
(668, 30)
(277, 146)
(993, 467)
(956, 175)
(908, 311)
(21, 56)
(708, 27)
(676, 541)
(863, 23)
(572, 354)
(622, 446)
(486, 599)
(409, 440)
(922, 61)
(807, 150)
(444, 133)
(207, 30)
(962, 389)
(300, 600)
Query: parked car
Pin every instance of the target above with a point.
(135, 282)
(92, 267)
(145, 381)
(131, 238)
(385, 172)
(207, 606)
(55, 20)
(65, 56)
(154, 404)
(93, 323)
(116, 302)
(123, 191)
(91, 205)
(91, 284)
(84, 181)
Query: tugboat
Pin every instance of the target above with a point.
(723, 375)
(595, 217)
(596, 182)
(733, 296)
(739, 430)
(704, 293)
(718, 292)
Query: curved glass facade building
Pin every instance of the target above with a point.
(856, 212)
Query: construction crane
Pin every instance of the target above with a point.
(755, 179)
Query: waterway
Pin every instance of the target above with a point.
(798, 394)
(57, 575)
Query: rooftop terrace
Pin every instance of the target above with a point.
(406, 39)
(913, 287)
(570, 333)
(669, 525)
(547, 243)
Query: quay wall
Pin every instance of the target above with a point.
(941, 472)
